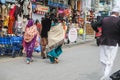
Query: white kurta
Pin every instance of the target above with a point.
(107, 57)
(108, 54)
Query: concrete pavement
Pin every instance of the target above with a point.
(80, 40)
(80, 62)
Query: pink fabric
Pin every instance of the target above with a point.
(99, 33)
(30, 32)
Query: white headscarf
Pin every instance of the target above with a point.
(116, 9)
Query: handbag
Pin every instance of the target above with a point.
(116, 75)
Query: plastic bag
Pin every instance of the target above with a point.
(37, 49)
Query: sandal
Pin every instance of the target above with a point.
(28, 61)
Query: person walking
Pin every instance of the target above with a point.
(30, 36)
(109, 41)
(55, 40)
(38, 39)
(39, 26)
(46, 25)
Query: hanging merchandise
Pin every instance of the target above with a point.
(11, 19)
(60, 11)
(2, 1)
(81, 31)
(67, 12)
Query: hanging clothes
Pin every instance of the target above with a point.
(11, 19)
(25, 7)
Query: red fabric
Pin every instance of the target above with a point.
(99, 32)
(12, 11)
(10, 24)
(11, 20)
(38, 25)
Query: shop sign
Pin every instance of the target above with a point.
(72, 35)
(39, 9)
(42, 8)
(55, 4)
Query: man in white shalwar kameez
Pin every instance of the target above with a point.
(109, 41)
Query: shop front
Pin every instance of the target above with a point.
(39, 11)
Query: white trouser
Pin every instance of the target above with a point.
(107, 57)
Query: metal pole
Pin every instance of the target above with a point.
(84, 34)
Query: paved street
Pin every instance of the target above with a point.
(80, 62)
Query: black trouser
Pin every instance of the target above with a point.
(97, 40)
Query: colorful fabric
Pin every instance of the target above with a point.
(30, 36)
(29, 47)
(55, 41)
(55, 36)
(55, 53)
(38, 25)
(30, 32)
(12, 11)
(99, 33)
(30, 23)
(10, 24)
(5, 23)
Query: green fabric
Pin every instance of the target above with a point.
(55, 53)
